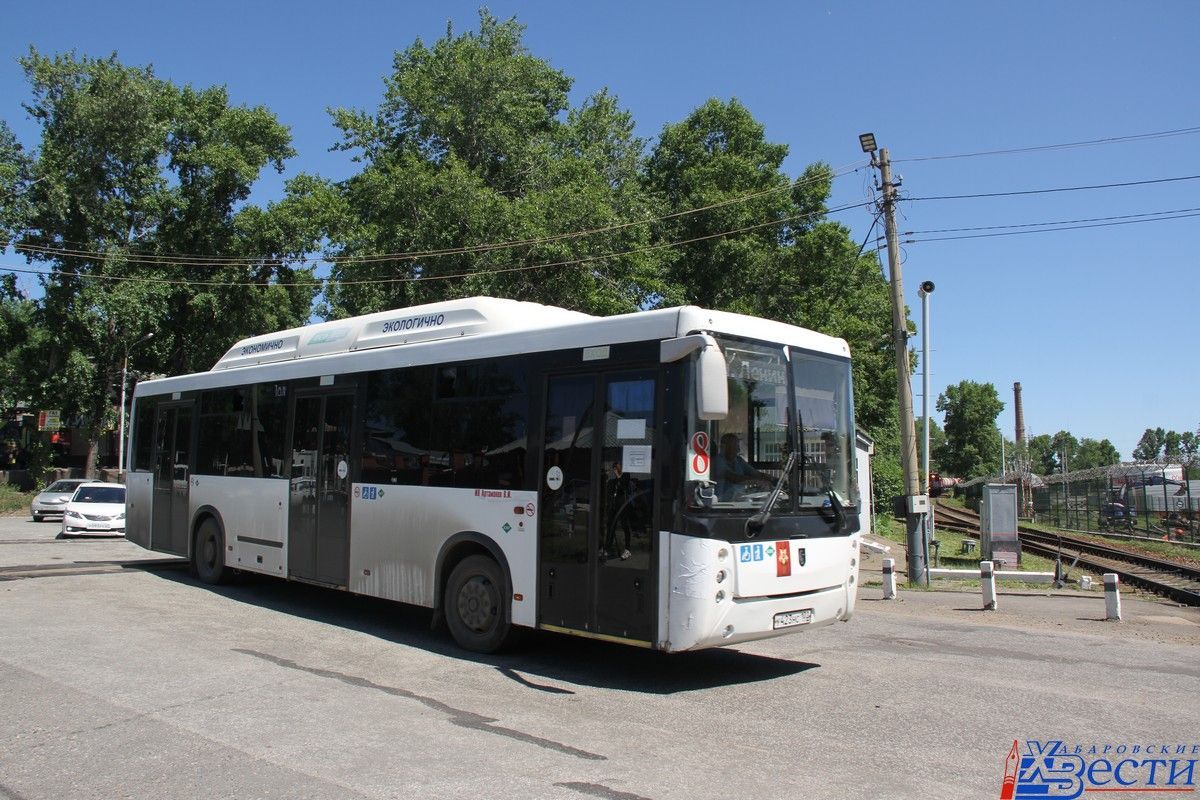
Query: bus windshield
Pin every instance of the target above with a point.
(780, 400)
(823, 413)
(750, 446)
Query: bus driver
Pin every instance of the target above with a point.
(730, 470)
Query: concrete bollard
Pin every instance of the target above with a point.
(889, 579)
(987, 577)
(1112, 596)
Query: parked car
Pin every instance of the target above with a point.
(52, 501)
(95, 508)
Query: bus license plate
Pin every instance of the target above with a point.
(789, 618)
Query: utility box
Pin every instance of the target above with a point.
(998, 524)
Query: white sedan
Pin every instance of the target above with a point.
(53, 499)
(95, 508)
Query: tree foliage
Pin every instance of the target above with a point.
(972, 446)
(1150, 447)
(132, 167)
(937, 441)
(474, 144)
(1093, 453)
(16, 168)
(476, 175)
(1043, 460)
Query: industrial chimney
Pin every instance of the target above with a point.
(1020, 412)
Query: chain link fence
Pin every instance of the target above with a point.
(1157, 500)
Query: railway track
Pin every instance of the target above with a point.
(1180, 582)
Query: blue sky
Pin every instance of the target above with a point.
(1099, 325)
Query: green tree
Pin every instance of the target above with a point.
(215, 151)
(18, 327)
(937, 441)
(474, 144)
(718, 153)
(1043, 459)
(789, 262)
(1093, 453)
(1171, 446)
(1189, 449)
(132, 167)
(1065, 446)
(972, 446)
(16, 168)
(1150, 446)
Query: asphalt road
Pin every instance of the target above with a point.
(120, 680)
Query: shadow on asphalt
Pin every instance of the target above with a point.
(555, 657)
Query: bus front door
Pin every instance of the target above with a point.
(319, 504)
(598, 505)
(173, 440)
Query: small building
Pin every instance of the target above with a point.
(864, 450)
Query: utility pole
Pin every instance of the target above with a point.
(924, 291)
(915, 504)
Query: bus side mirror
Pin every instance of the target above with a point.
(712, 387)
(712, 390)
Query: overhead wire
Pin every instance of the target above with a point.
(178, 259)
(426, 278)
(1056, 189)
(1049, 230)
(1061, 146)
(1055, 222)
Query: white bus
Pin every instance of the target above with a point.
(674, 479)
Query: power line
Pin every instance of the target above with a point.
(1059, 189)
(1062, 146)
(1056, 222)
(181, 259)
(867, 238)
(413, 279)
(1049, 230)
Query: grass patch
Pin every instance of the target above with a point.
(13, 500)
(1168, 550)
(951, 555)
(890, 529)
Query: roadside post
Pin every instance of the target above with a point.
(1112, 597)
(889, 579)
(987, 577)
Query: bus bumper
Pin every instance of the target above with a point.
(699, 609)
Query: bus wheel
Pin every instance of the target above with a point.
(474, 605)
(208, 555)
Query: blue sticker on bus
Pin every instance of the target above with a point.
(750, 552)
(371, 493)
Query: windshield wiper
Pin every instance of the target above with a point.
(755, 524)
(839, 510)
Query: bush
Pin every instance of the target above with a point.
(13, 499)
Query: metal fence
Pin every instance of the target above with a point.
(1162, 501)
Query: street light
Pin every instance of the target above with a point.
(924, 290)
(867, 141)
(124, 381)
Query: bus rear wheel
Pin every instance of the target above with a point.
(474, 605)
(208, 554)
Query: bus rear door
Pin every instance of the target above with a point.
(172, 474)
(319, 495)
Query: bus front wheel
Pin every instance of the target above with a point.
(208, 554)
(474, 605)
